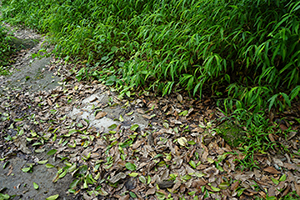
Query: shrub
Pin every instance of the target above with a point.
(5, 51)
(246, 51)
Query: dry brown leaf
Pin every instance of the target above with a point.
(271, 170)
(137, 144)
(271, 192)
(271, 137)
(297, 187)
(179, 98)
(10, 170)
(286, 191)
(36, 99)
(117, 177)
(235, 185)
(49, 102)
(151, 191)
(100, 115)
(291, 166)
(283, 127)
(146, 116)
(126, 197)
(190, 111)
(290, 177)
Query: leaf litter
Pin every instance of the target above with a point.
(177, 155)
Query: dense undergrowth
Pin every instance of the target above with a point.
(242, 51)
(5, 51)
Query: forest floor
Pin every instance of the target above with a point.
(64, 139)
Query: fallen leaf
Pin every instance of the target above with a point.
(35, 186)
(151, 191)
(165, 184)
(297, 187)
(117, 177)
(235, 185)
(53, 197)
(182, 141)
(100, 115)
(271, 170)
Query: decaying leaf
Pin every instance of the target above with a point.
(271, 170)
(117, 177)
(100, 115)
(182, 141)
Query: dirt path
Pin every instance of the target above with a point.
(78, 140)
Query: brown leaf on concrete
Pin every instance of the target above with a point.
(100, 115)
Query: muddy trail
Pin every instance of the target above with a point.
(64, 139)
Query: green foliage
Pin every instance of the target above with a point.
(5, 51)
(249, 47)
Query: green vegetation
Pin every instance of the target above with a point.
(244, 52)
(5, 51)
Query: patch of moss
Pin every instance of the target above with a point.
(231, 133)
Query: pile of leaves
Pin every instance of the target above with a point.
(178, 156)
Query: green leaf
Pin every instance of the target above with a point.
(42, 162)
(133, 174)
(63, 174)
(121, 118)
(157, 156)
(186, 177)
(5, 164)
(35, 186)
(134, 127)
(143, 179)
(132, 195)
(214, 188)
(49, 165)
(224, 185)
(275, 181)
(183, 113)
(130, 113)
(51, 152)
(193, 164)
(166, 125)
(74, 184)
(4, 196)
(26, 169)
(282, 178)
(130, 166)
(113, 126)
(210, 160)
(272, 101)
(53, 197)
(200, 174)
